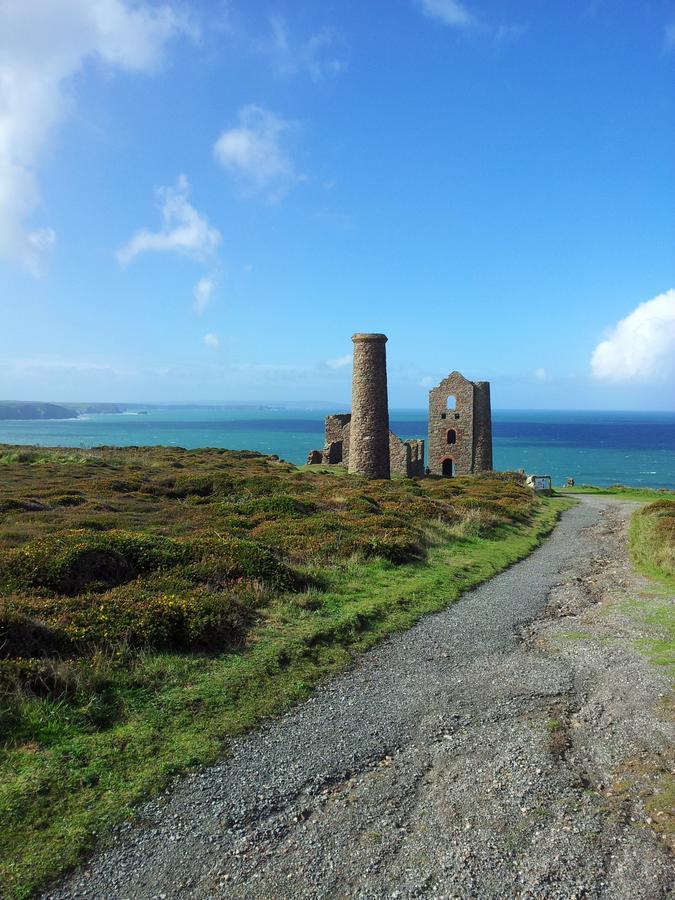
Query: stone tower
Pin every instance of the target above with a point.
(369, 427)
(460, 427)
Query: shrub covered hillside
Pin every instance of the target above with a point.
(155, 601)
(185, 550)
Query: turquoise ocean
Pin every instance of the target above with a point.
(600, 448)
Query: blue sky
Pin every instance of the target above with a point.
(203, 201)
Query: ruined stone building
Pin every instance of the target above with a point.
(362, 441)
(460, 427)
(405, 457)
(460, 424)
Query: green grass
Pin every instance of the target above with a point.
(620, 492)
(652, 541)
(652, 546)
(38, 457)
(298, 570)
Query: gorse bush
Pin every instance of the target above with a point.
(193, 618)
(75, 561)
(195, 593)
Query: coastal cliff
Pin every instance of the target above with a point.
(32, 410)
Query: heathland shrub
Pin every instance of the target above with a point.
(275, 506)
(104, 574)
(396, 545)
(183, 486)
(194, 617)
(74, 561)
(13, 504)
(22, 635)
(84, 560)
(222, 561)
(68, 500)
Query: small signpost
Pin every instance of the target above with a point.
(541, 484)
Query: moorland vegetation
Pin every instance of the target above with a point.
(154, 602)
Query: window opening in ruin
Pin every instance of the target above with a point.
(457, 415)
(444, 415)
(448, 468)
(452, 436)
(452, 402)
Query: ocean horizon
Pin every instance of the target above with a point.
(593, 447)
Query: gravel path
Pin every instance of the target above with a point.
(468, 757)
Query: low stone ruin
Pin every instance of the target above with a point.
(405, 457)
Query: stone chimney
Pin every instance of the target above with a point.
(369, 429)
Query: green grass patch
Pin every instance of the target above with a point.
(652, 541)
(236, 599)
(652, 547)
(620, 492)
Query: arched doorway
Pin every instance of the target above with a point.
(448, 468)
(451, 436)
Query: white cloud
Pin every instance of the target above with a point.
(42, 46)
(640, 347)
(254, 152)
(211, 340)
(201, 294)
(427, 382)
(449, 12)
(340, 363)
(540, 374)
(183, 230)
(322, 55)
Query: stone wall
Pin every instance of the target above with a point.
(482, 428)
(406, 458)
(334, 425)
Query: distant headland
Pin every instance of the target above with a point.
(30, 410)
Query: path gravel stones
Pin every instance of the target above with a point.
(474, 756)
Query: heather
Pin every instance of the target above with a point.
(156, 601)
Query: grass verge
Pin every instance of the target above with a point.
(652, 546)
(620, 492)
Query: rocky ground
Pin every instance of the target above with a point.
(514, 745)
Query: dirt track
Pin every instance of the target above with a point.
(497, 749)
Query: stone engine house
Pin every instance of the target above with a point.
(460, 427)
(460, 424)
